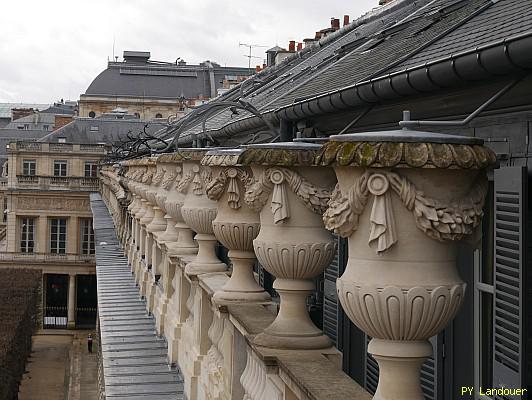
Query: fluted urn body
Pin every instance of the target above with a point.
(198, 212)
(404, 199)
(291, 194)
(236, 225)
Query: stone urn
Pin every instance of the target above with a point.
(158, 223)
(199, 211)
(291, 193)
(404, 199)
(179, 237)
(235, 226)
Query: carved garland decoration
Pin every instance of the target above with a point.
(199, 177)
(276, 179)
(437, 220)
(170, 177)
(227, 179)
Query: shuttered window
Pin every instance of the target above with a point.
(510, 204)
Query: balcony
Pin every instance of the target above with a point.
(57, 182)
(57, 147)
(46, 258)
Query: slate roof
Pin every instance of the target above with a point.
(168, 81)
(98, 130)
(11, 135)
(134, 358)
(409, 33)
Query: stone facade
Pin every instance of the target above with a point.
(48, 217)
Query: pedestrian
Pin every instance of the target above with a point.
(89, 343)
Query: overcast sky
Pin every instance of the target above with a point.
(53, 49)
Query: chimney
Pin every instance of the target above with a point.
(318, 36)
(61, 120)
(335, 23)
(299, 46)
(17, 113)
(292, 46)
(383, 2)
(346, 20)
(257, 68)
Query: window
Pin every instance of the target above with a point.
(29, 167)
(92, 114)
(60, 168)
(87, 236)
(27, 235)
(158, 115)
(91, 169)
(61, 140)
(46, 127)
(5, 210)
(137, 115)
(58, 235)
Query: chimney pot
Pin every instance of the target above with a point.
(346, 20)
(292, 45)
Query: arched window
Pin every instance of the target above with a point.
(158, 115)
(92, 114)
(137, 115)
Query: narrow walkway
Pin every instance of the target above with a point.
(134, 358)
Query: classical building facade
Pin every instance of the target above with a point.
(49, 224)
(152, 89)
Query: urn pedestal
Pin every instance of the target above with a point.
(291, 194)
(235, 226)
(198, 212)
(404, 199)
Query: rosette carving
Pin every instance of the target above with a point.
(276, 179)
(394, 313)
(227, 181)
(300, 261)
(438, 220)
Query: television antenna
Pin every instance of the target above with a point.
(250, 55)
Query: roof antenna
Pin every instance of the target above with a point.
(114, 57)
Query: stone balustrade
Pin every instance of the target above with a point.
(400, 203)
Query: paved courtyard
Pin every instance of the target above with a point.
(60, 368)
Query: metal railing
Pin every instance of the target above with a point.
(46, 257)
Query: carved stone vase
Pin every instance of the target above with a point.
(179, 237)
(198, 212)
(235, 225)
(291, 194)
(404, 199)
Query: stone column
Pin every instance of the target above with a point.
(71, 307)
(291, 195)
(404, 199)
(235, 226)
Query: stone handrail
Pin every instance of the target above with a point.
(59, 182)
(46, 257)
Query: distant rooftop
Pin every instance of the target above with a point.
(5, 108)
(140, 76)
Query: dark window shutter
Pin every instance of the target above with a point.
(330, 297)
(510, 204)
